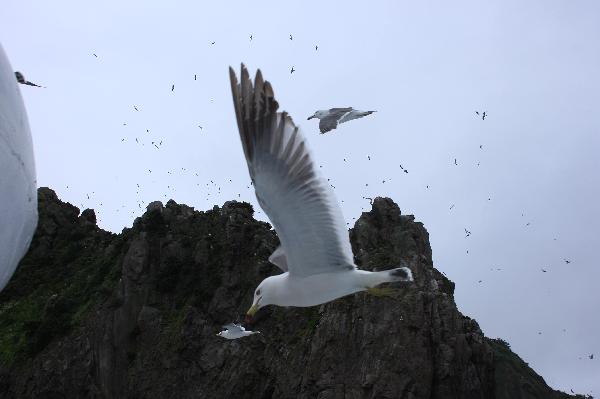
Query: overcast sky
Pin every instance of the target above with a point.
(527, 177)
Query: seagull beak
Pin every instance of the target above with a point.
(251, 312)
(310, 117)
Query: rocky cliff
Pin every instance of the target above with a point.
(90, 314)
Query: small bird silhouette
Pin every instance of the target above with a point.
(293, 70)
(21, 79)
(290, 37)
(172, 87)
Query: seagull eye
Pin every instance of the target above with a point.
(257, 292)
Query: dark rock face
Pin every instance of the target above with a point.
(91, 314)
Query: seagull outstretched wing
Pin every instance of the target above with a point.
(298, 201)
(278, 258)
(232, 327)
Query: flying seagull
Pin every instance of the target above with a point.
(21, 79)
(329, 118)
(315, 254)
(235, 331)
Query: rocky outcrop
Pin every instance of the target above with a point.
(91, 314)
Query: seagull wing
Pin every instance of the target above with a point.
(328, 123)
(278, 258)
(288, 187)
(231, 327)
(354, 114)
(339, 111)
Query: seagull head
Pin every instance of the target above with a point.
(318, 114)
(262, 297)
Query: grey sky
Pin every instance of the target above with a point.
(424, 67)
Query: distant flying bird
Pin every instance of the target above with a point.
(452, 206)
(567, 261)
(293, 70)
(213, 43)
(592, 356)
(467, 232)
(315, 255)
(483, 115)
(290, 37)
(316, 48)
(194, 76)
(134, 107)
(455, 163)
(235, 331)
(172, 87)
(21, 79)
(94, 54)
(543, 270)
(477, 112)
(406, 171)
(330, 118)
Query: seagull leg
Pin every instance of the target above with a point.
(384, 292)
